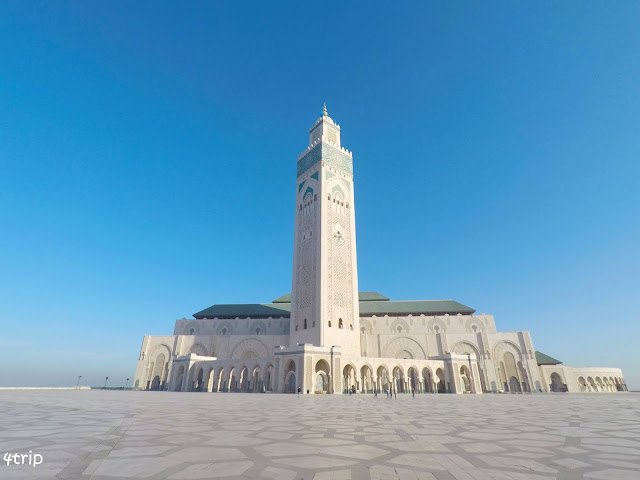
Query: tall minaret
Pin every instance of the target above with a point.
(324, 303)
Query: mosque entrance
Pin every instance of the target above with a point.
(291, 383)
(322, 383)
(514, 385)
(322, 377)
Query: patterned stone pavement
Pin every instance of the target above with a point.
(160, 435)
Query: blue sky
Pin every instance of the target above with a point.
(148, 152)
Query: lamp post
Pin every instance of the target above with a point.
(126, 384)
(331, 370)
(78, 384)
(105, 383)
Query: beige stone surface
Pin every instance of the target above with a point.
(94, 435)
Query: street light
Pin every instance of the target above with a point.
(78, 384)
(105, 383)
(126, 384)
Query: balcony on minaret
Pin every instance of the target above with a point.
(326, 130)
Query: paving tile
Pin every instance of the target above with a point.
(98, 435)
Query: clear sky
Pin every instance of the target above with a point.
(148, 160)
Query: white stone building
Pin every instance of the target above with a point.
(326, 337)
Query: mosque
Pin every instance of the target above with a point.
(327, 337)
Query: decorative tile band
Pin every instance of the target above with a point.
(331, 155)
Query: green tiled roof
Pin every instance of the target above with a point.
(253, 310)
(371, 297)
(286, 298)
(542, 359)
(430, 307)
(371, 303)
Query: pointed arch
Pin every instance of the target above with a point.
(249, 348)
(401, 346)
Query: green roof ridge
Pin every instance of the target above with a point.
(544, 359)
(368, 307)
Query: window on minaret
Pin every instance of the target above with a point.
(305, 324)
(313, 324)
(329, 323)
(338, 202)
(339, 323)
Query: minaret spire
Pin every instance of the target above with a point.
(324, 110)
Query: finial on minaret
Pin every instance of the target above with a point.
(324, 110)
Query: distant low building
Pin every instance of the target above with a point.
(326, 337)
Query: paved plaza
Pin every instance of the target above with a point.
(161, 435)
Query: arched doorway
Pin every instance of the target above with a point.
(232, 385)
(349, 377)
(156, 371)
(256, 383)
(322, 377)
(514, 385)
(268, 376)
(511, 371)
(592, 384)
(441, 386)
(465, 379)
(244, 379)
(398, 380)
(427, 378)
(366, 379)
(557, 385)
(413, 380)
(600, 385)
(291, 382)
(383, 379)
(290, 377)
(179, 379)
(582, 384)
(199, 378)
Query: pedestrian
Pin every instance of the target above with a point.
(395, 394)
(298, 391)
(375, 393)
(413, 392)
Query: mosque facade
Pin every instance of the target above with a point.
(328, 337)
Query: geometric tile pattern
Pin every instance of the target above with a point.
(110, 435)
